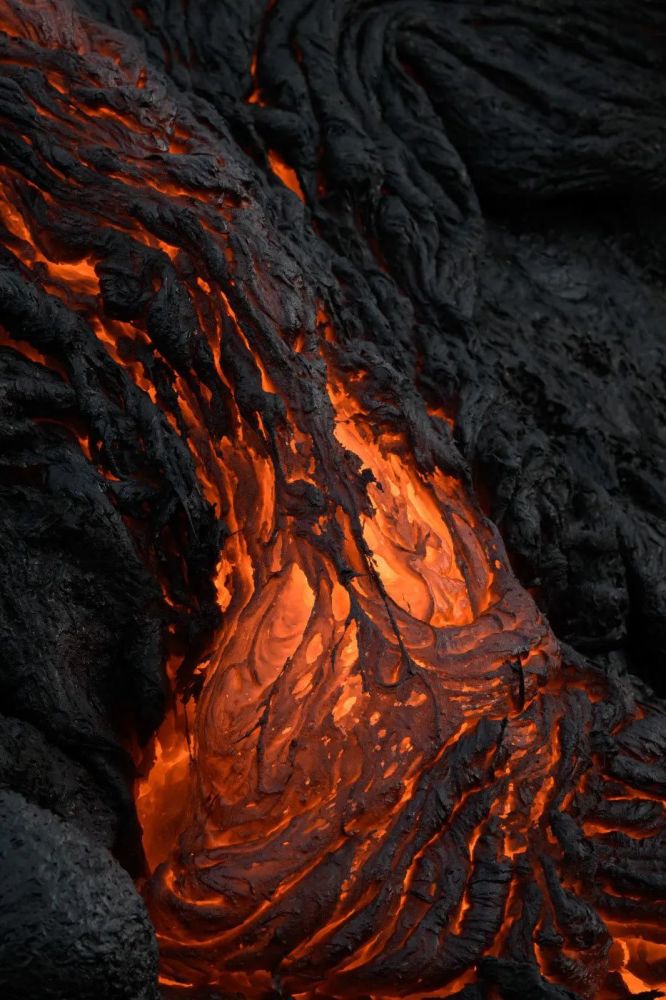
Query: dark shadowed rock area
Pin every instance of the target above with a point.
(51, 876)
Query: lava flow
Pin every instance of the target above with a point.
(374, 791)
(379, 776)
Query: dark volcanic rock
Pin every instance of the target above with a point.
(71, 923)
(49, 778)
(494, 175)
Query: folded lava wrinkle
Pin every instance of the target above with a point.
(379, 774)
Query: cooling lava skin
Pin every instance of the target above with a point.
(255, 336)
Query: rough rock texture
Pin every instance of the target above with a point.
(493, 173)
(47, 777)
(50, 875)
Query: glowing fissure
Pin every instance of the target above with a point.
(384, 773)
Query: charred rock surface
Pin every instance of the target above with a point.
(242, 432)
(71, 922)
(49, 778)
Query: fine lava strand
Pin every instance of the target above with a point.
(382, 778)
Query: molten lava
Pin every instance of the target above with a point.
(380, 750)
(382, 778)
(337, 742)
